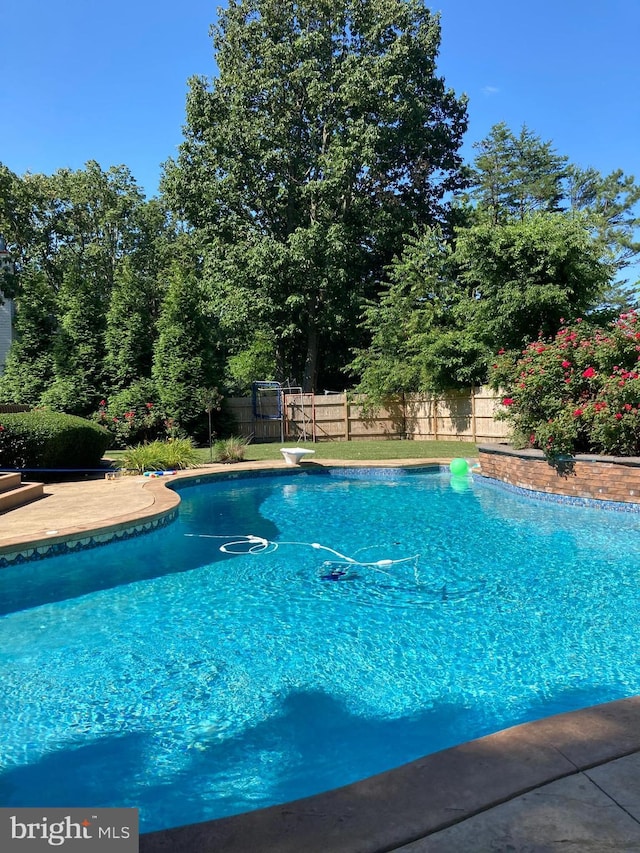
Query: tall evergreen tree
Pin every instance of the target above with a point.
(90, 256)
(78, 378)
(186, 357)
(137, 293)
(29, 368)
(516, 175)
(130, 328)
(325, 137)
(611, 203)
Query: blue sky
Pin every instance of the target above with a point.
(82, 80)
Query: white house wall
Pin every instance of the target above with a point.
(6, 323)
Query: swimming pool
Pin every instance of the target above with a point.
(396, 616)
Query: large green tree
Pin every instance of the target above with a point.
(326, 136)
(186, 353)
(514, 175)
(447, 311)
(519, 279)
(29, 366)
(91, 256)
(420, 340)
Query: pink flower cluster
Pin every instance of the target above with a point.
(578, 391)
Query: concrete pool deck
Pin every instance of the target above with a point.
(568, 782)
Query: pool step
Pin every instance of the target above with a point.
(14, 493)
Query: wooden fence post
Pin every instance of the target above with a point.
(329, 414)
(313, 418)
(474, 433)
(346, 418)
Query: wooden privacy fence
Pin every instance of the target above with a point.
(13, 408)
(455, 416)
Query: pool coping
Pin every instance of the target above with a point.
(389, 810)
(26, 546)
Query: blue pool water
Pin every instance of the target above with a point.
(166, 674)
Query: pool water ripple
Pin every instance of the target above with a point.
(199, 683)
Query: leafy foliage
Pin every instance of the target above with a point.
(29, 366)
(185, 360)
(131, 415)
(578, 391)
(418, 337)
(445, 312)
(44, 439)
(169, 455)
(77, 346)
(90, 257)
(325, 137)
(521, 277)
(257, 360)
(129, 331)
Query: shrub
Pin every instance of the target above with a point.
(179, 453)
(144, 457)
(132, 415)
(576, 392)
(229, 450)
(161, 456)
(42, 439)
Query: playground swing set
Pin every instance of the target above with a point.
(275, 402)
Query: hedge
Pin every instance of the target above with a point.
(42, 439)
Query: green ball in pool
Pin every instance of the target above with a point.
(459, 467)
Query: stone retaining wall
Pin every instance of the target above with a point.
(597, 477)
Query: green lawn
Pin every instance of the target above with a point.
(354, 450)
(370, 449)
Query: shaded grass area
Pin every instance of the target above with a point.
(365, 450)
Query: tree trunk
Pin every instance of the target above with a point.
(311, 360)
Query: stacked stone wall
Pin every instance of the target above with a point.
(599, 478)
